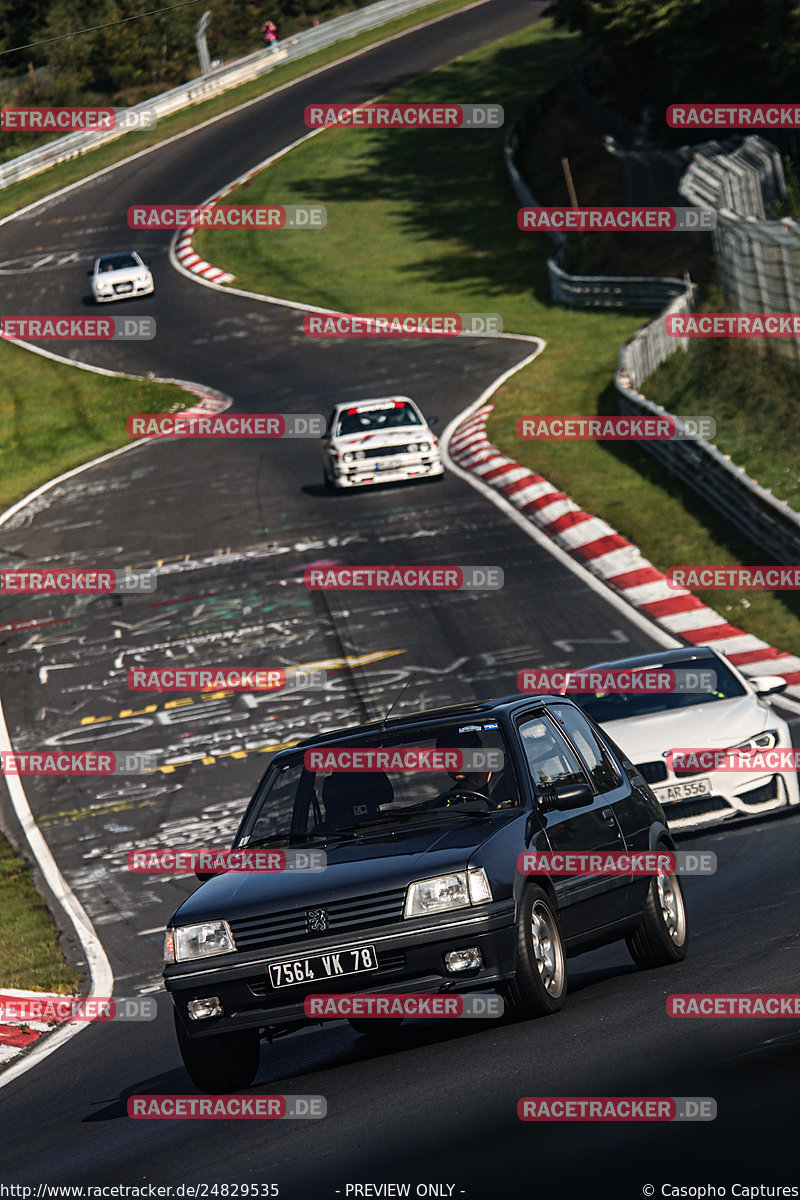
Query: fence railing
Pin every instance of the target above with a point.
(751, 509)
(242, 71)
(644, 292)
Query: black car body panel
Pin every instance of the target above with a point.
(363, 887)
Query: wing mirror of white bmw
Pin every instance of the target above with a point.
(768, 685)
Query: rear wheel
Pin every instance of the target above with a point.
(221, 1062)
(540, 981)
(663, 934)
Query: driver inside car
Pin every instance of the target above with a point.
(496, 787)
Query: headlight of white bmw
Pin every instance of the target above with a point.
(459, 890)
(760, 741)
(186, 942)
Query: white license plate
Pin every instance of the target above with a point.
(683, 791)
(321, 967)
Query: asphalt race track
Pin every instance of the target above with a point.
(231, 526)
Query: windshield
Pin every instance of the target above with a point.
(440, 773)
(389, 414)
(617, 706)
(116, 262)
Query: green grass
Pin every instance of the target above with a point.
(425, 222)
(30, 957)
(60, 176)
(54, 417)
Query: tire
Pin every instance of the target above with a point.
(223, 1062)
(382, 1027)
(540, 981)
(663, 934)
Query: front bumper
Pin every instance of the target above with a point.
(139, 289)
(361, 474)
(731, 796)
(409, 961)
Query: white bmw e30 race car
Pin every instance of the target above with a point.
(379, 441)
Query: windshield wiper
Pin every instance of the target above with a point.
(293, 839)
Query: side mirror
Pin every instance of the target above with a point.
(433, 421)
(768, 685)
(572, 795)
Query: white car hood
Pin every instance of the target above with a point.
(717, 724)
(377, 438)
(124, 275)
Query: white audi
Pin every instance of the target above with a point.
(730, 715)
(120, 277)
(379, 441)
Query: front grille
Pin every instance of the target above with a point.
(344, 917)
(697, 806)
(653, 772)
(389, 960)
(386, 451)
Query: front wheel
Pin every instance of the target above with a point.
(221, 1062)
(540, 981)
(662, 937)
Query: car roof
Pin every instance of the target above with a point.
(659, 657)
(116, 254)
(480, 708)
(373, 400)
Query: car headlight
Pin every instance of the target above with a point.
(760, 741)
(186, 942)
(360, 454)
(412, 447)
(423, 447)
(347, 457)
(444, 892)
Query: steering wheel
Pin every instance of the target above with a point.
(461, 794)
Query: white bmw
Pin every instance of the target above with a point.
(732, 716)
(378, 441)
(120, 277)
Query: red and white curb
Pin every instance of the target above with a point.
(187, 257)
(18, 1035)
(610, 557)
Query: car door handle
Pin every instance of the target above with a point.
(608, 816)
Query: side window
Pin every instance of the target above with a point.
(551, 760)
(601, 766)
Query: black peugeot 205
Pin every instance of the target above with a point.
(421, 890)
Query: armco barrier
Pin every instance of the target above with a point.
(242, 71)
(644, 292)
(728, 489)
